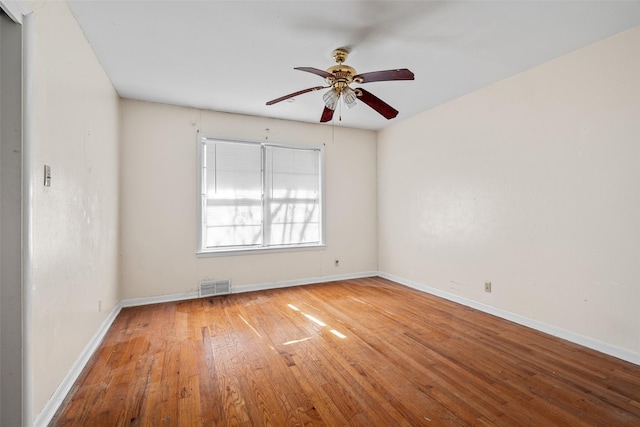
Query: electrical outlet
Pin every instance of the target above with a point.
(487, 286)
(337, 263)
(99, 305)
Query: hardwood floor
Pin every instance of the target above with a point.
(364, 352)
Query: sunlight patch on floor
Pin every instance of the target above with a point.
(338, 334)
(314, 320)
(252, 328)
(296, 341)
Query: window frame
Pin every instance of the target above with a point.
(203, 251)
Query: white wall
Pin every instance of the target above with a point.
(158, 209)
(531, 183)
(75, 221)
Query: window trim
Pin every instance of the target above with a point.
(202, 251)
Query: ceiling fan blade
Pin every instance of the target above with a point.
(317, 71)
(386, 75)
(291, 95)
(327, 115)
(377, 104)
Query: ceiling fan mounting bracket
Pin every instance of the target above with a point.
(340, 55)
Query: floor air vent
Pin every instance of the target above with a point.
(215, 287)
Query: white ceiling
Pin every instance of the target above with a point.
(233, 56)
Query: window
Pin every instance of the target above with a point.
(259, 196)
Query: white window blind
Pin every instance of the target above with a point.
(233, 202)
(293, 195)
(259, 195)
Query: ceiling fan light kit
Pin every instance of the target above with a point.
(331, 98)
(349, 96)
(338, 79)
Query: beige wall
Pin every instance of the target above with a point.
(75, 221)
(158, 210)
(531, 183)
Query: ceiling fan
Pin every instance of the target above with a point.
(339, 77)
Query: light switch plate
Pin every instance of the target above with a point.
(47, 176)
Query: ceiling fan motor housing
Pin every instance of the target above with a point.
(342, 76)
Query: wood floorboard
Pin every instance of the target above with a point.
(363, 352)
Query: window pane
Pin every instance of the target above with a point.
(294, 195)
(288, 234)
(233, 205)
(234, 225)
(294, 223)
(283, 211)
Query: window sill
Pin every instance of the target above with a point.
(255, 251)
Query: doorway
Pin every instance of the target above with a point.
(10, 221)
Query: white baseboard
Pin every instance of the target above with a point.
(299, 282)
(582, 340)
(58, 396)
(133, 302)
